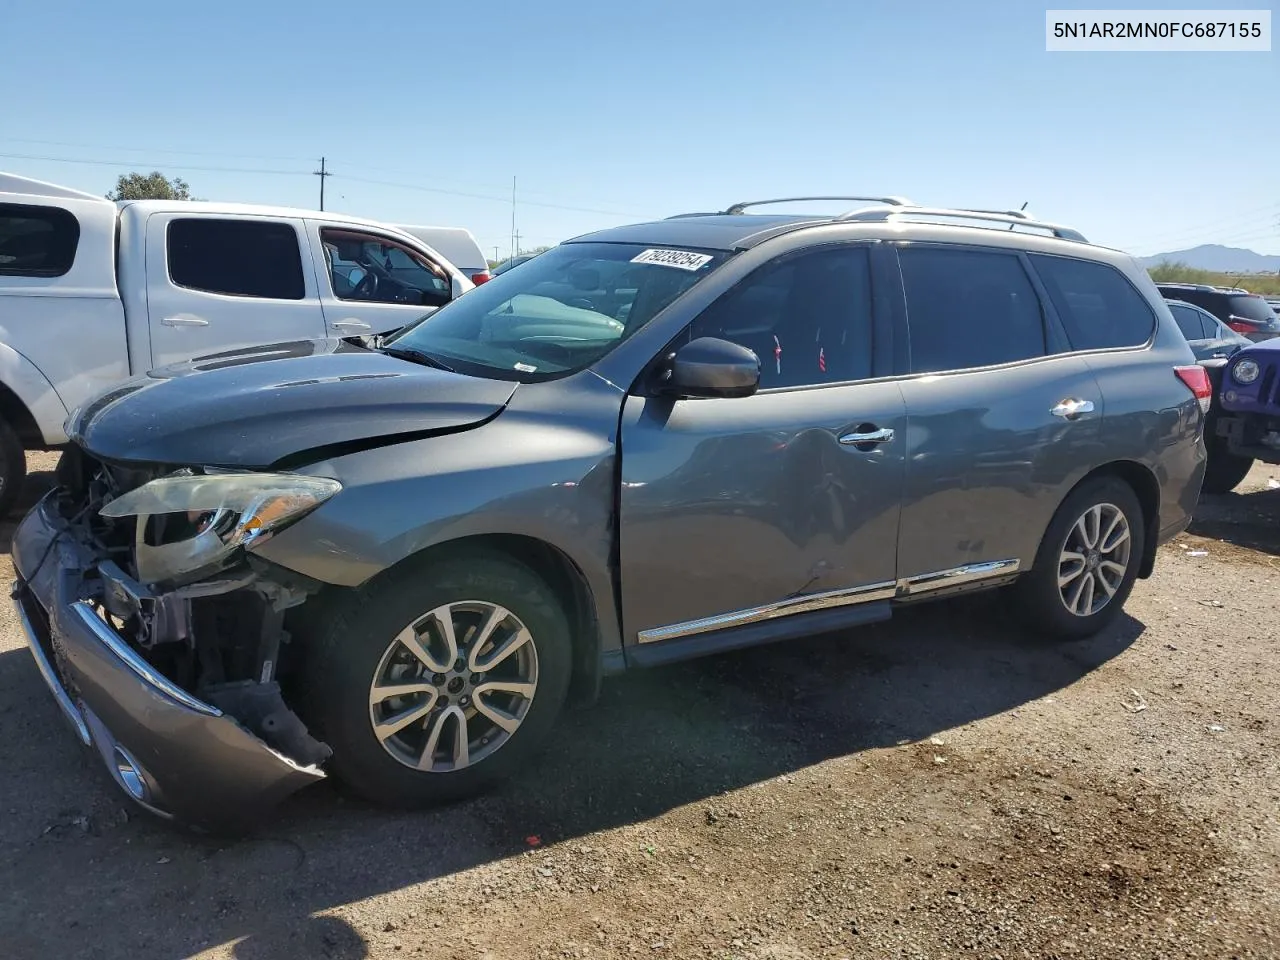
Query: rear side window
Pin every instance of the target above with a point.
(1099, 307)
(240, 258)
(969, 308)
(1190, 322)
(37, 241)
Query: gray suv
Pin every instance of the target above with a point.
(396, 562)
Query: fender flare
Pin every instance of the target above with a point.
(36, 393)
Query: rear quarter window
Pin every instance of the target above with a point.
(1098, 306)
(239, 258)
(37, 241)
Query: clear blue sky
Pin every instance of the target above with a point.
(637, 110)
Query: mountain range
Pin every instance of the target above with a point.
(1214, 256)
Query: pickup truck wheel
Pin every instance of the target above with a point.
(1087, 562)
(1225, 469)
(438, 680)
(13, 468)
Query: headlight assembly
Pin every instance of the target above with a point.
(188, 523)
(1245, 371)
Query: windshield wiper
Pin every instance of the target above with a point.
(417, 356)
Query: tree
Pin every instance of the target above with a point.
(150, 186)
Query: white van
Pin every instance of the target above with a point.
(457, 244)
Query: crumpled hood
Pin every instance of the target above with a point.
(253, 408)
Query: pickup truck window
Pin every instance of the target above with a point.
(373, 269)
(239, 258)
(37, 241)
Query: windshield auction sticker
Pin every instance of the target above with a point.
(680, 259)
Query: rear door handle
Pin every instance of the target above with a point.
(184, 322)
(883, 435)
(1071, 408)
(351, 324)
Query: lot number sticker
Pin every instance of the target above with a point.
(680, 259)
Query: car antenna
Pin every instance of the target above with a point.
(1023, 207)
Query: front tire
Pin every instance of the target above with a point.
(13, 468)
(1087, 562)
(438, 679)
(1224, 469)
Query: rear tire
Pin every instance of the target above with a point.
(392, 634)
(13, 468)
(1086, 564)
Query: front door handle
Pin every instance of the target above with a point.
(883, 435)
(184, 322)
(351, 324)
(1071, 408)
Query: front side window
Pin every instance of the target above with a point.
(238, 258)
(807, 317)
(1098, 306)
(366, 267)
(37, 241)
(559, 312)
(969, 308)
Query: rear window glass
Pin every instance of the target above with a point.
(1098, 306)
(968, 308)
(37, 241)
(1251, 308)
(240, 258)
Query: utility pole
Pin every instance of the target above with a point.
(323, 174)
(495, 253)
(514, 237)
(517, 246)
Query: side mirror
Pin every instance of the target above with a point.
(711, 367)
(457, 287)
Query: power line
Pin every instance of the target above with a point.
(153, 150)
(134, 164)
(484, 196)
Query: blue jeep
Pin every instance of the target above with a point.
(1249, 419)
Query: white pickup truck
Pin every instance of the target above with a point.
(93, 292)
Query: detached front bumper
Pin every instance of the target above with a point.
(177, 756)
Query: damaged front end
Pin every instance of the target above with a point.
(162, 637)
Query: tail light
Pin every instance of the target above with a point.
(482, 277)
(1197, 381)
(1242, 326)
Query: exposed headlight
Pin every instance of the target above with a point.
(188, 523)
(1245, 371)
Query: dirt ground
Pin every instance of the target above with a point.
(938, 786)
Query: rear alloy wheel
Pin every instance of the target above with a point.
(1087, 562)
(1094, 559)
(437, 679)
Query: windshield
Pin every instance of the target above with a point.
(1252, 308)
(560, 312)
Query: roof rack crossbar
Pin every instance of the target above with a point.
(1018, 219)
(891, 201)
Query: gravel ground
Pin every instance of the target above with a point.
(938, 786)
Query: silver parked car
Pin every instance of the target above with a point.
(650, 443)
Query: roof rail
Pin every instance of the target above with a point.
(1014, 219)
(737, 208)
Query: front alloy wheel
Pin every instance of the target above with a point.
(1094, 559)
(453, 686)
(438, 678)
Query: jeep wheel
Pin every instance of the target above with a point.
(1225, 469)
(438, 679)
(1087, 562)
(13, 468)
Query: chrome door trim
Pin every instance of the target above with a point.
(955, 577)
(771, 611)
(888, 590)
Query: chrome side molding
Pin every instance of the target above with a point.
(907, 587)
